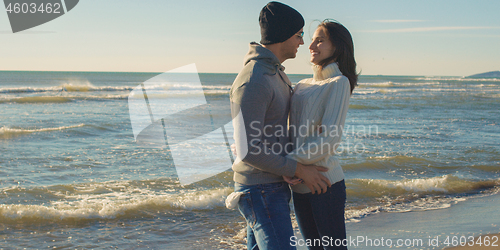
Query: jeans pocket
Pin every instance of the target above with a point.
(246, 209)
(276, 200)
(273, 187)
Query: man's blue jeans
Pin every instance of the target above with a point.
(320, 215)
(267, 213)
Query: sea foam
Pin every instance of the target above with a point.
(7, 132)
(109, 201)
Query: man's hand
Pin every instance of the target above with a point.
(312, 178)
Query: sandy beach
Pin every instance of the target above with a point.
(435, 229)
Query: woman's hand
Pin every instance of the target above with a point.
(292, 180)
(312, 178)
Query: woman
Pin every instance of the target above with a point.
(318, 111)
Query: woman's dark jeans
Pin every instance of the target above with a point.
(321, 216)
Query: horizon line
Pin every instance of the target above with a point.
(151, 72)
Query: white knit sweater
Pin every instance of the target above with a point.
(321, 101)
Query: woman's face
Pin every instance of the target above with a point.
(321, 48)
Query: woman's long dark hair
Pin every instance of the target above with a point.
(341, 39)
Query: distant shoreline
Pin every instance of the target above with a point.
(491, 74)
(205, 73)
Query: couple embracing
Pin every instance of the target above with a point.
(290, 134)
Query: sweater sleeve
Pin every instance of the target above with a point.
(253, 100)
(332, 125)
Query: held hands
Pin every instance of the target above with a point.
(311, 177)
(292, 180)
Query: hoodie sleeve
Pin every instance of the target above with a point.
(254, 99)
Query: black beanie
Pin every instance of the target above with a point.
(278, 22)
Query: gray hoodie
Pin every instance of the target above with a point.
(262, 91)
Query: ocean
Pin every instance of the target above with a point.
(73, 176)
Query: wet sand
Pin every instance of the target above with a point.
(433, 229)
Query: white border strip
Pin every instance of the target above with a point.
(64, 6)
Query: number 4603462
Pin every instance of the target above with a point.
(33, 8)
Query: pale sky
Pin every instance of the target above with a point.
(391, 37)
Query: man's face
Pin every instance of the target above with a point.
(290, 47)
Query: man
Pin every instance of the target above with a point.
(260, 96)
